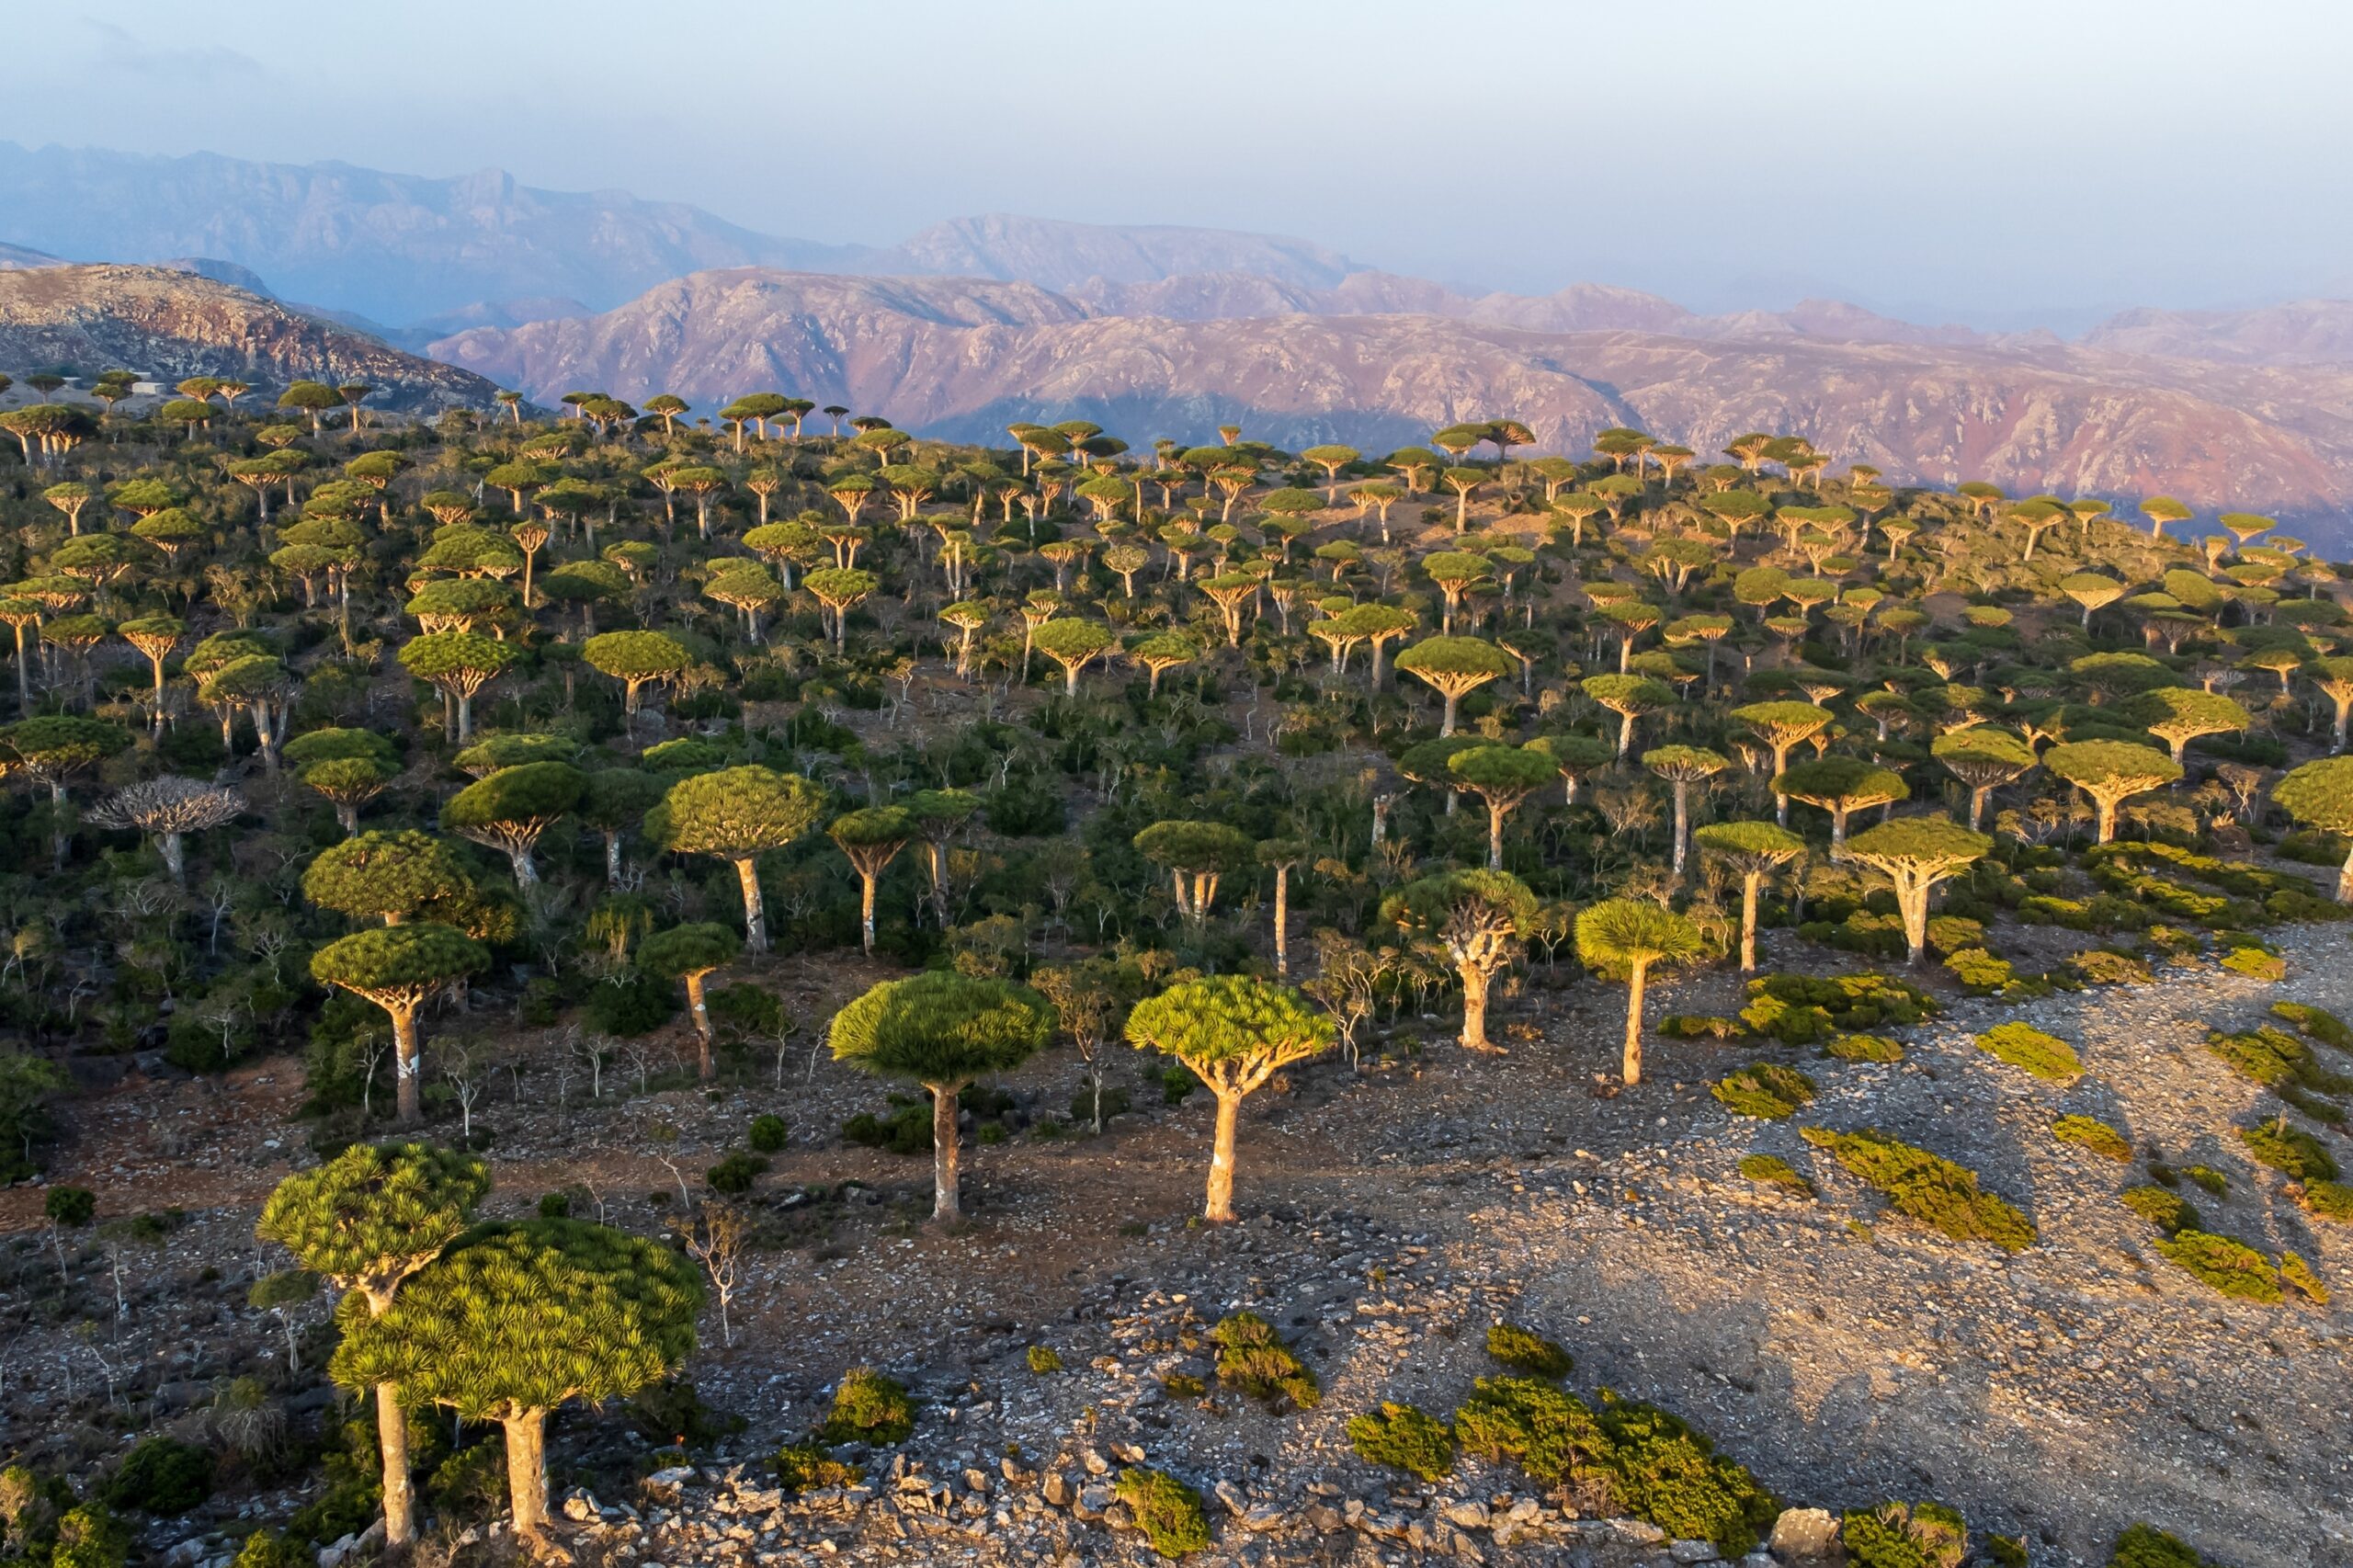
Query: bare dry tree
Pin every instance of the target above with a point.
(167, 809)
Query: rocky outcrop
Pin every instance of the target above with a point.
(167, 325)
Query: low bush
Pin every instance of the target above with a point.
(2168, 1212)
(2031, 1049)
(161, 1476)
(2328, 1200)
(1863, 1047)
(734, 1174)
(768, 1134)
(2102, 966)
(805, 1467)
(1404, 1438)
(1980, 972)
(2276, 1058)
(1253, 1358)
(630, 1002)
(1701, 1025)
(1799, 1009)
(1044, 1359)
(1904, 1535)
(2091, 1133)
(2255, 963)
(2291, 1151)
(2146, 1546)
(906, 1128)
(1927, 1187)
(1626, 1458)
(1526, 1351)
(1168, 1512)
(267, 1549)
(2294, 1271)
(868, 1408)
(2210, 1178)
(1771, 1170)
(2232, 1267)
(2316, 1023)
(1764, 1089)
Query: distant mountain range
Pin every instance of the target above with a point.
(1169, 331)
(962, 357)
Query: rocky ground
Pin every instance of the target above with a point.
(1392, 1214)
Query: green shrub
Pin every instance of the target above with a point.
(2146, 1546)
(1764, 1089)
(805, 1467)
(673, 1413)
(868, 1408)
(745, 1009)
(161, 1476)
(2232, 1267)
(471, 1482)
(69, 1205)
(1528, 1421)
(2298, 1273)
(1639, 1460)
(2100, 966)
(1526, 1351)
(1980, 972)
(768, 1134)
(1183, 1385)
(1771, 1170)
(1701, 1025)
(2288, 1150)
(2256, 964)
(1863, 1047)
(905, 1130)
(2210, 1178)
(1797, 1009)
(2008, 1552)
(734, 1174)
(1902, 1535)
(1404, 1438)
(1168, 1512)
(1253, 1358)
(2316, 1023)
(1927, 1188)
(267, 1549)
(2328, 1200)
(2095, 1135)
(1044, 1358)
(2276, 1060)
(555, 1206)
(2168, 1212)
(630, 1002)
(2024, 1047)
(90, 1537)
(1663, 1470)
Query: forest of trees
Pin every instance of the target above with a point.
(335, 729)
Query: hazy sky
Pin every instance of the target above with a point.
(2001, 162)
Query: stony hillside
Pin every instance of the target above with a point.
(169, 324)
(1060, 254)
(960, 358)
(2306, 332)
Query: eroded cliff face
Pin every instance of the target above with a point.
(168, 325)
(961, 357)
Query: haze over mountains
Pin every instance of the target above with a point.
(1166, 330)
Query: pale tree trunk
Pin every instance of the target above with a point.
(1633, 1066)
(408, 1068)
(1749, 885)
(392, 1436)
(945, 1152)
(1220, 1208)
(2104, 816)
(1495, 840)
(1282, 920)
(756, 917)
(1914, 905)
(866, 912)
(2344, 881)
(167, 845)
(705, 1069)
(1682, 824)
(1474, 1010)
(526, 1472)
(1977, 804)
(613, 859)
